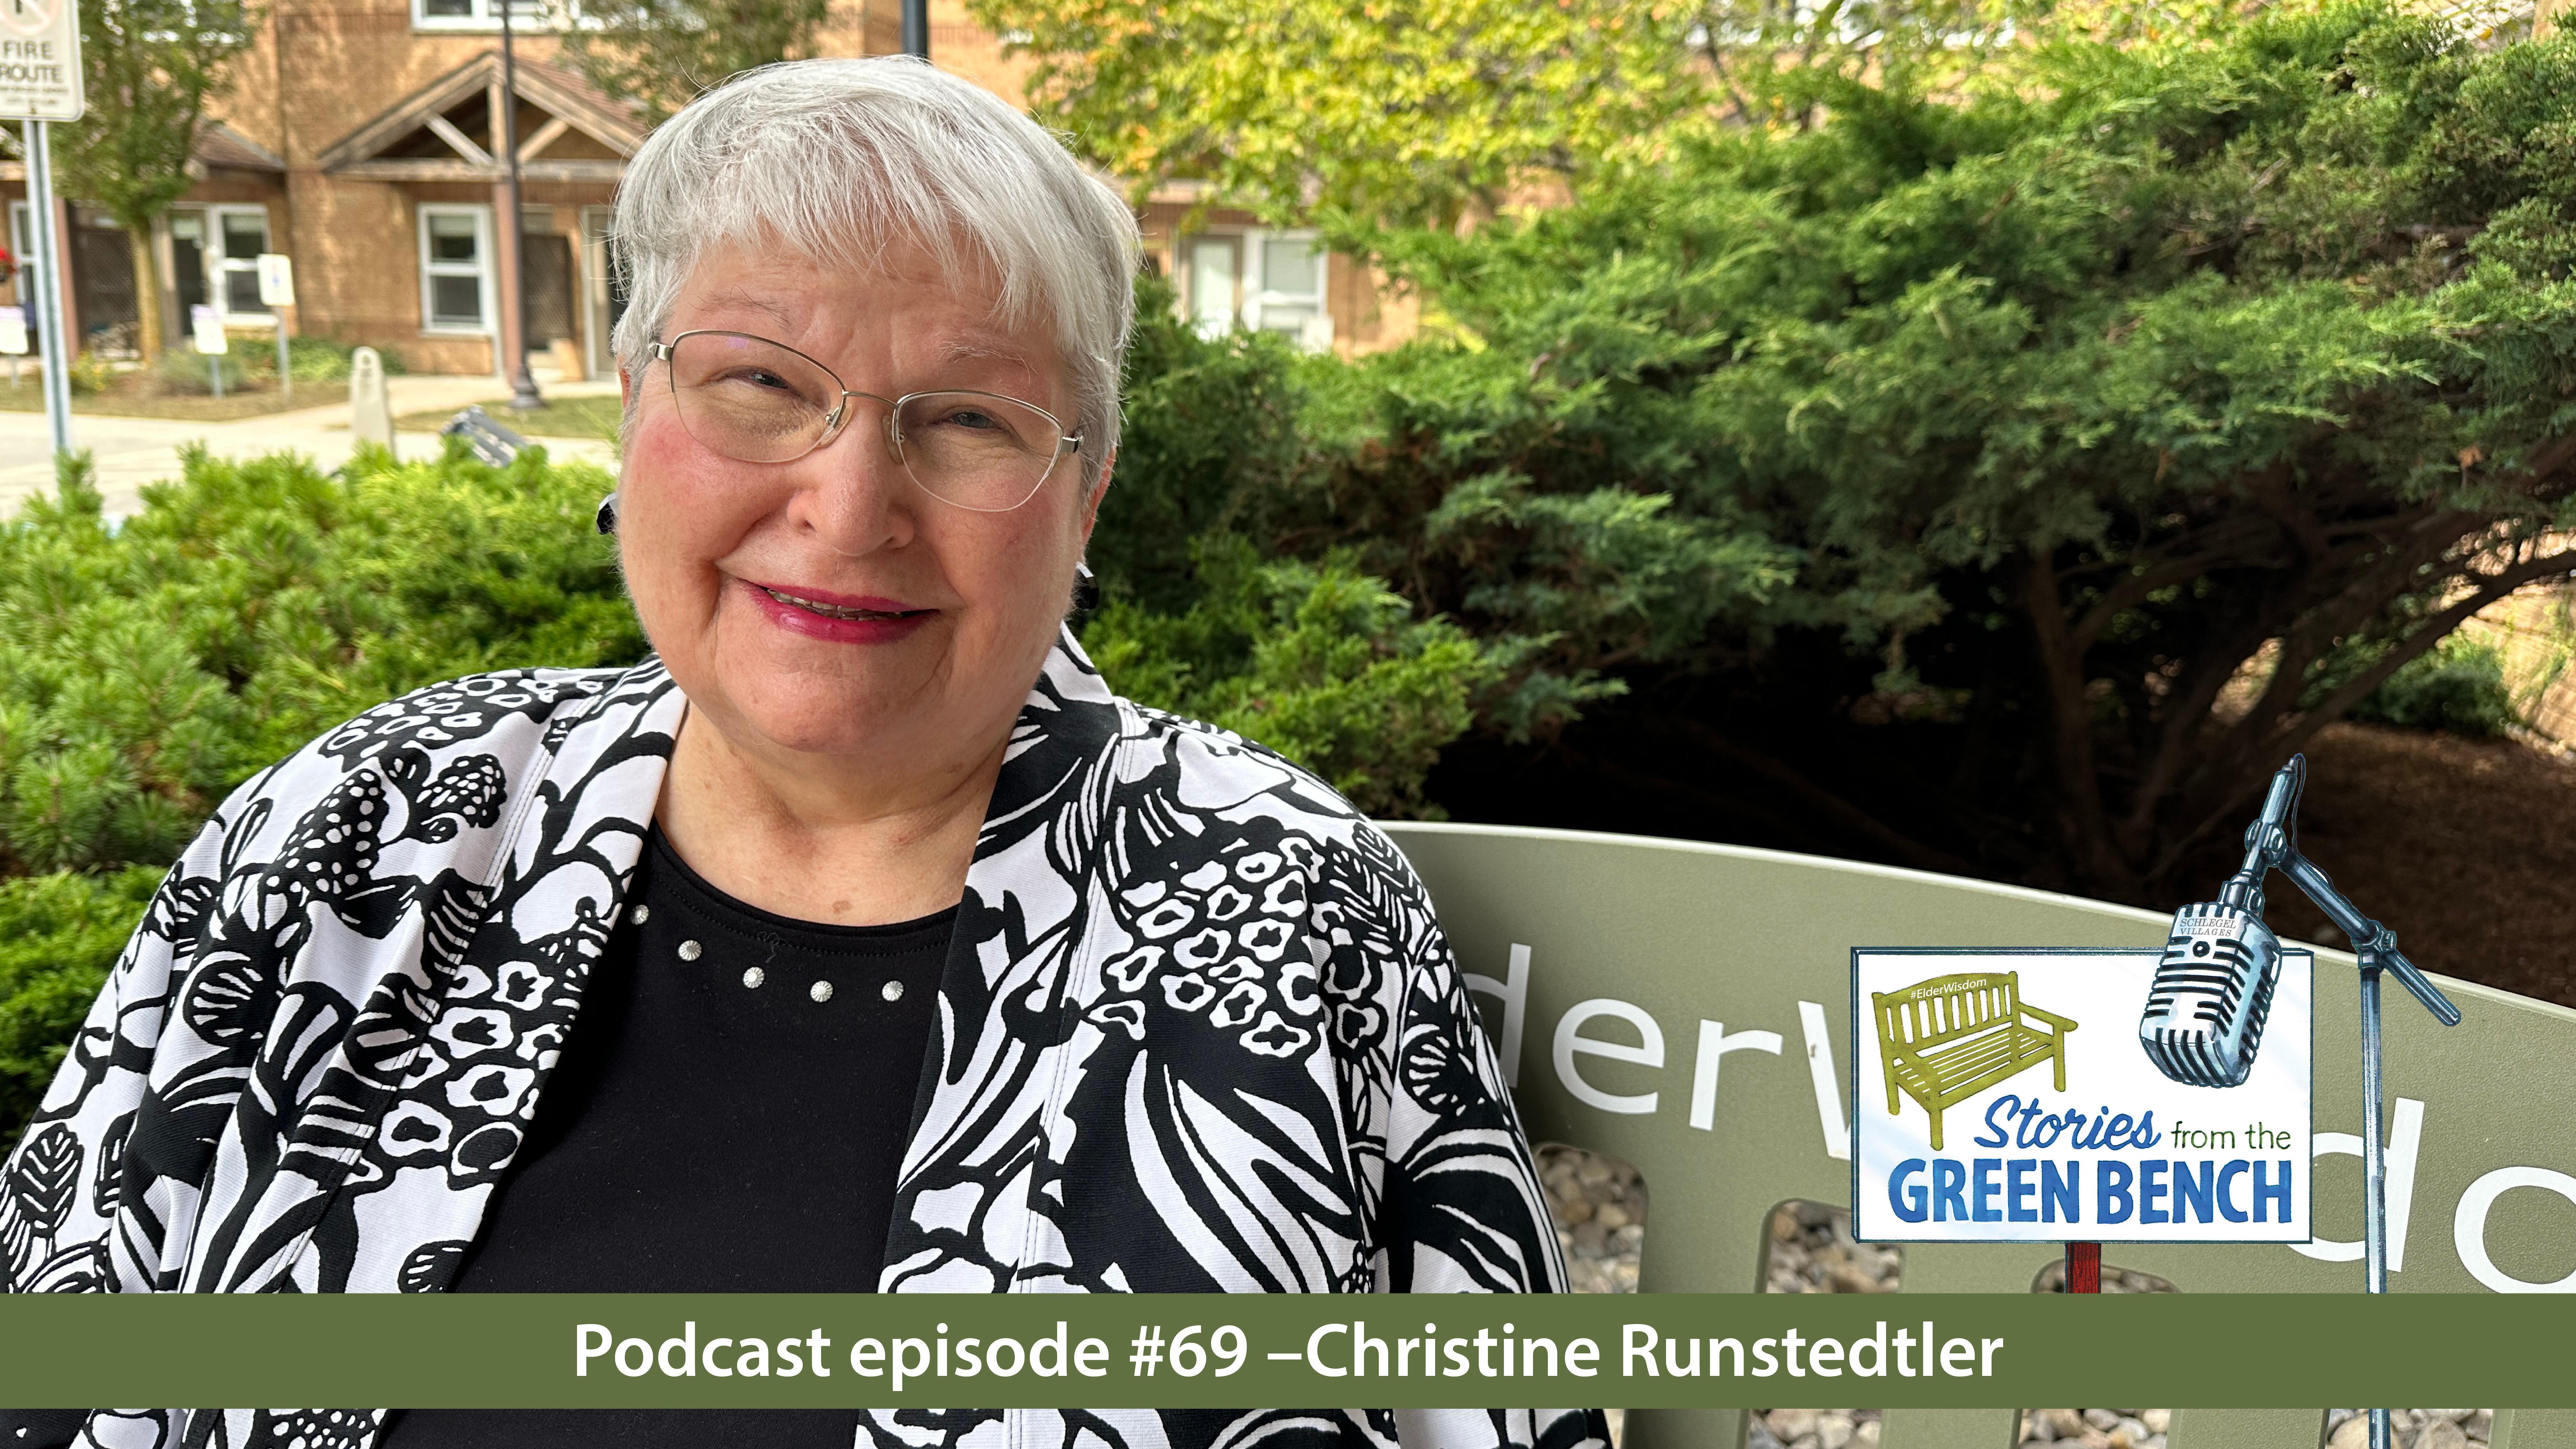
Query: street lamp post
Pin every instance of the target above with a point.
(523, 383)
(916, 28)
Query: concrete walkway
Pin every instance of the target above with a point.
(131, 452)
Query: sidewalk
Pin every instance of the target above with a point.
(131, 452)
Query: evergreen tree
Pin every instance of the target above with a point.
(2003, 483)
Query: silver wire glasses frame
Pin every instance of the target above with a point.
(986, 452)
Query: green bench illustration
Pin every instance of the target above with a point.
(1949, 1038)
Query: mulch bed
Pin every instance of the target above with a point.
(2465, 848)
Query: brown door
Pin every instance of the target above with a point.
(103, 286)
(547, 257)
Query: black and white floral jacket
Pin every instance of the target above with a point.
(1198, 1031)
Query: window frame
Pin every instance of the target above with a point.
(481, 269)
(1317, 335)
(1193, 306)
(484, 17)
(221, 265)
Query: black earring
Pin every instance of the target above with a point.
(1086, 589)
(607, 519)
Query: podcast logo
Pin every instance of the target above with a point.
(1986, 1112)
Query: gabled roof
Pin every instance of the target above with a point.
(221, 147)
(570, 102)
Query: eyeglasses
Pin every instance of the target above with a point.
(758, 401)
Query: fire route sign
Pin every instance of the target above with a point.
(40, 69)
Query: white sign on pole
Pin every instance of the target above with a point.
(13, 331)
(204, 323)
(2003, 1096)
(276, 274)
(40, 69)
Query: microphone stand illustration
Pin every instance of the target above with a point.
(2204, 1016)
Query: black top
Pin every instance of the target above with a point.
(728, 1117)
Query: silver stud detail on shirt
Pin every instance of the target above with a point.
(640, 915)
(893, 991)
(822, 991)
(691, 950)
(754, 977)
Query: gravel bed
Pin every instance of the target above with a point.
(1812, 1429)
(2412, 1428)
(2098, 1428)
(1812, 1252)
(1600, 1208)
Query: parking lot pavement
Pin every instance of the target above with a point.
(131, 452)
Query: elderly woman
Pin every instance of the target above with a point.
(859, 939)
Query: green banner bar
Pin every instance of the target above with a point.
(1216, 1351)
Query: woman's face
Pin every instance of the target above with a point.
(954, 610)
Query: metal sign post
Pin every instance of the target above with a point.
(47, 276)
(40, 82)
(276, 292)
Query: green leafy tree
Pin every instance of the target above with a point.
(2002, 484)
(662, 53)
(1414, 110)
(149, 67)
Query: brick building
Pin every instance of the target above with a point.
(359, 138)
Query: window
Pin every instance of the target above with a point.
(1271, 281)
(189, 255)
(243, 234)
(214, 259)
(456, 269)
(1287, 291)
(1213, 270)
(486, 14)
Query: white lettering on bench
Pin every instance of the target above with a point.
(1829, 1086)
(2469, 1225)
(2405, 1137)
(1570, 1040)
(1513, 991)
(1714, 1043)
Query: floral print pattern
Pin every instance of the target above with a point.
(1199, 1032)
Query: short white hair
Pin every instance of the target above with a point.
(839, 157)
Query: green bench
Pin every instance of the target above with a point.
(1949, 1038)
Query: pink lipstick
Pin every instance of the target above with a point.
(837, 618)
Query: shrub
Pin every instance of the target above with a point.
(252, 362)
(311, 359)
(146, 670)
(2458, 686)
(59, 933)
(186, 371)
(1210, 421)
(1318, 661)
(89, 375)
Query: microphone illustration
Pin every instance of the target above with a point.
(2204, 1018)
(2205, 1009)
